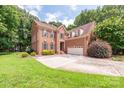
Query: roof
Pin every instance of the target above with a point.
(61, 27)
(49, 26)
(46, 25)
(86, 28)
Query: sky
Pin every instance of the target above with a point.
(61, 13)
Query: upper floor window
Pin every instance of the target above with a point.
(52, 34)
(45, 33)
(69, 35)
(73, 34)
(61, 36)
(76, 33)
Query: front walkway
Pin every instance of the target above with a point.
(83, 64)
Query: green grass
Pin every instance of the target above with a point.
(27, 72)
(118, 58)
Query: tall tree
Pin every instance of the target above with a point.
(57, 24)
(99, 14)
(15, 28)
(112, 31)
(71, 26)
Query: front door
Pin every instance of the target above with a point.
(61, 46)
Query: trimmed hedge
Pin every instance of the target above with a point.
(48, 52)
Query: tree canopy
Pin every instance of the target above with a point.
(57, 24)
(112, 31)
(99, 14)
(15, 28)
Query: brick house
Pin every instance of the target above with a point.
(46, 36)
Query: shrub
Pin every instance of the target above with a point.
(33, 54)
(25, 54)
(99, 49)
(45, 52)
(48, 52)
(52, 52)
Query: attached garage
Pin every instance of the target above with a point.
(75, 51)
(78, 39)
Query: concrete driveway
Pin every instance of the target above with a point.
(83, 64)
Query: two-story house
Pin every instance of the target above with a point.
(46, 36)
(75, 41)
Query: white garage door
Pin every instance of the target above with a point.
(75, 51)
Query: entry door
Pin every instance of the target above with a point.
(75, 51)
(62, 46)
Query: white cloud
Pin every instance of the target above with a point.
(35, 9)
(55, 17)
(52, 16)
(21, 6)
(33, 12)
(32, 9)
(73, 7)
(67, 21)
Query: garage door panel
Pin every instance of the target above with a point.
(76, 51)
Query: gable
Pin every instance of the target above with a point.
(61, 29)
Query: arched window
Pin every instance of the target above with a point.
(45, 45)
(51, 45)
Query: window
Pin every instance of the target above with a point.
(61, 36)
(45, 45)
(45, 33)
(73, 34)
(76, 33)
(70, 34)
(52, 34)
(52, 45)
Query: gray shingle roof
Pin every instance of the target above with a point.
(46, 25)
(86, 28)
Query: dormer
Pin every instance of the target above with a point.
(81, 31)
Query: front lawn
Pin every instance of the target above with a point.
(118, 58)
(27, 72)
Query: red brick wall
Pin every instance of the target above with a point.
(81, 42)
(47, 39)
(34, 36)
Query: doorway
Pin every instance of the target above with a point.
(61, 46)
